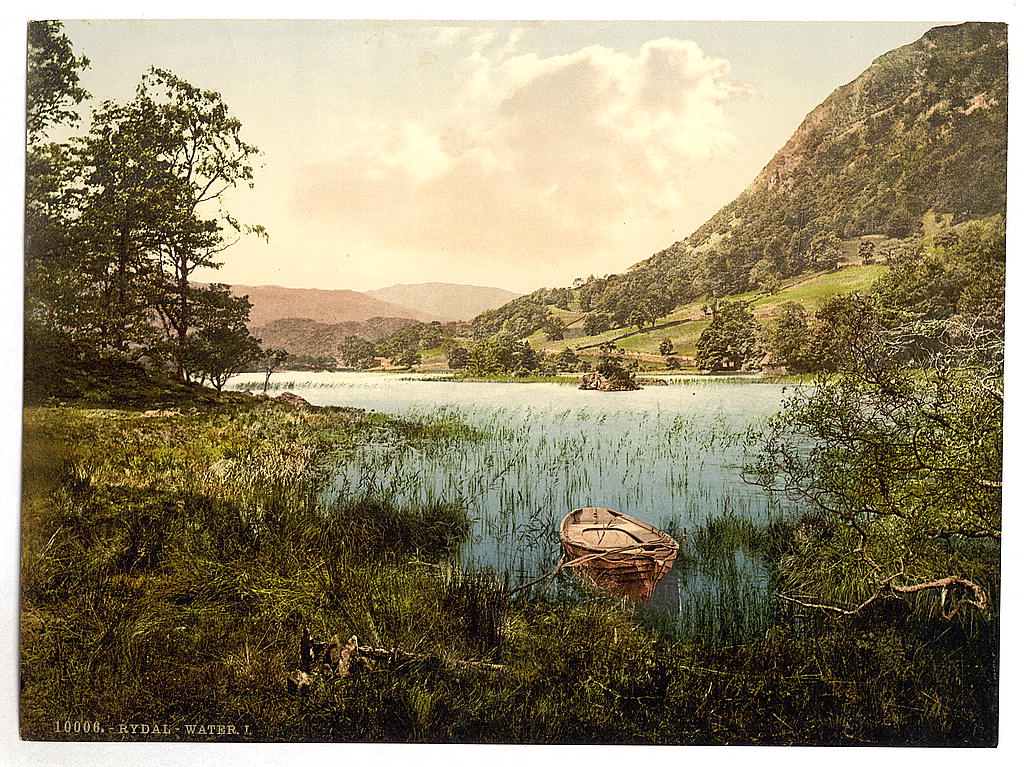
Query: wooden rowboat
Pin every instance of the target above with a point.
(617, 552)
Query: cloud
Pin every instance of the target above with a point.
(535, 157)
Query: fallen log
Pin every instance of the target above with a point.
(336, 660)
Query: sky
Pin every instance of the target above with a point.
(515, 155)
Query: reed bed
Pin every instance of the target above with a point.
(171, 560)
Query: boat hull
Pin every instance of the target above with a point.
(617, 552)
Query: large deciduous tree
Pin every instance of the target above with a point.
(52, 87)
(53, 91)
(731, 340)
(203, 156)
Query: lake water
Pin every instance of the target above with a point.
(669, 455)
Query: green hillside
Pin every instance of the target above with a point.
(915, 144)
(810, 292)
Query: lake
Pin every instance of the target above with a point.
(669, 455)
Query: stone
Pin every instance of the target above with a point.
(291, 399)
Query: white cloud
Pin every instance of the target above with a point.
(536, 157)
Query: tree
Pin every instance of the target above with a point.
(767, 275)
(825, 251)
(963, 272)
(219, 345)
(554, 328)
(841, 327)
(269, 361)
(52, 277)
(866, 252)
(458, 358)
(788, 337)
(897, 460)
(612, 369)
(198, 146)
(126, 209)
(665, 347)
(502, 354)
(731, 340)
(357, 352)
(596, 323)
(52, 86)
(568, 360)
(408, 358)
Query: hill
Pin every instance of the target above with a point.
(272, 302)
(916, 143)
(309, 338)
(453, 302)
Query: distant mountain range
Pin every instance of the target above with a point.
(427, 302)
(458, 302)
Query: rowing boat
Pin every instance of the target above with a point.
(616, 551)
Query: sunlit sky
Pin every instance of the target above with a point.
(517, 155)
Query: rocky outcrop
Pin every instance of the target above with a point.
(598, 382)
(292, 399)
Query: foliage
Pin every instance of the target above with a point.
(458, 358)
(221, 346)
(902, 467)
(554, 328)
(502, 354)
(962, 272)
(411, 338)
(665, 347)
(788, 337)
(959, 274)
(596, 323)
(119, 219)
(408, 358)
(569, 361)
(611, 367)
(519, 318)
(53, 80)
(358, 352)
(731, 340)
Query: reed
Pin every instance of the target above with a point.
(170, 562)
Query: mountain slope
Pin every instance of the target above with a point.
(457, 302)
(923, 129)
(918, 141)
(272, 302)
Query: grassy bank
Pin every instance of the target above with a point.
(171, 560)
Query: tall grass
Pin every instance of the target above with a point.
(170, 562)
